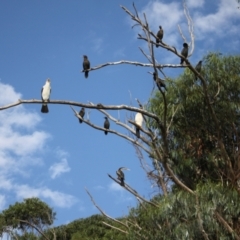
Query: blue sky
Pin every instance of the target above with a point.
(52, 156)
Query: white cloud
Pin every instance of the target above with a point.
(58, 168)
(2, 202)
(194, 3)
(168, 15)
(8, 94)
(220, 22)
(59, 199)
(115, 187)
(97, 45)
(119, 193)
(21, 142)
(99, 187)
(61, 153)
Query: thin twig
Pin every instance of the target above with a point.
(103, 213)
(134, 192)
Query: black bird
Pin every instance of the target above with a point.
(120, 175)
(184, 52)
(106, 125)
(81, 113)
(159, 35)
(159, 82)
(198, 69)
(86, 65)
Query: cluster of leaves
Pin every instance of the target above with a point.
(177, 216)
(31, 214)
(193, 136)
(91, 228)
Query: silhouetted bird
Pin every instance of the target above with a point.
(198, 68)
(159, 35)
(159, 82)
(46, 90)
(120, 174)
(86, 65)
(184, 52)
(81, 113)
(106, 125)
(138, 121)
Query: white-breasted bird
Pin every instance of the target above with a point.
(46, 91)
(139, 122)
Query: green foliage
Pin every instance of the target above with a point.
(177, 214)
(27, 236)
(91, 228)
(30, 213)
(193, 136)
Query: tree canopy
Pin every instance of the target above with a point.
(31, 214)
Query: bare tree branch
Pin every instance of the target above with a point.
(133, 63)
(134, 192)
(111, 131)
(35, 227)
(116, 228)
(103, 213)
(226, 225)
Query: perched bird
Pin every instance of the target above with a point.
(106, 125)
(159, 35)
(81, 113)
(139, 122)
(184, 52)
(198, 69)
(46, 90)
(160, 83)
(120, 174)
(86, 65)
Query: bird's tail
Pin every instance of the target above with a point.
(44, 108)
(138, 132)
(122, 182)
(106, 132)
(182, 60)
(86, 74)
(80, 120)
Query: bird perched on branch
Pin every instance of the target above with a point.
(106, 125)
(86, 65)
(160, 83)
(120, 174)
(139, 122)
(46, 90)
(159, 35)
(184, 52)
(81, 113)
(198, 69)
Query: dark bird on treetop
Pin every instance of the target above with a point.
(86, 65)
(106, 125)
(120, 174)
(160, 83)
(81, 113)
(184, 52)
(46, 90)
(198, 69)
(159, 35)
